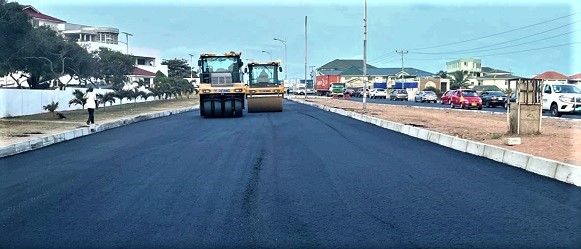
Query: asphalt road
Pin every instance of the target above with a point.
(301, 178)
(438, 105)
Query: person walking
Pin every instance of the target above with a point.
(91, 104)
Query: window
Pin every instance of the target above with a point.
(547, 89)
(141, 62)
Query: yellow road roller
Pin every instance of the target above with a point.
(222, 90)
(264, 92)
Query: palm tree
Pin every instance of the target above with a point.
(459, 80)
(132, 95)
(121, 94)
(51, 107)
(145, 95)
(107, 97)
(79, 99)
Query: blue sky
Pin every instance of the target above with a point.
(433, 33)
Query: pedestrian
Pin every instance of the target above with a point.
(91, 104)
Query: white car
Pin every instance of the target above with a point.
(560, 98)
(378, 93)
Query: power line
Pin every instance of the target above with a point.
(478, 49)
(504, 53)
(497, 34)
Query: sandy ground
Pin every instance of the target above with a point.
(558, 139)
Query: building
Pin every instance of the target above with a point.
(470, 67)
(38, 19)
(350, 72)
(575, 79)
(92, 38)
(552, 77)
(496, 77)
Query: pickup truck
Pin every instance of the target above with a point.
(560, 98)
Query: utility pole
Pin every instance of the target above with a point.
(364, 53)
(402, 53)
(305, 52)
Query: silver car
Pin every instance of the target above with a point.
(426, 96)
(399, 94)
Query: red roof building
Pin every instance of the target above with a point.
(35, 14)
(575, 77)
(140, 72)
(551, 75)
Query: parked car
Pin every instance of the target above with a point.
(426, 96)
(351, 92)
(399, 94)
(492, 98)
(359, 93)
(466, 99)
(559, 98)
(311, 91)
(378, 93)
(445, 99)
(511, 98)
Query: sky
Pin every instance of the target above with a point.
(525, 37)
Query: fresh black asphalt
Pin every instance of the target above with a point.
(301, 178)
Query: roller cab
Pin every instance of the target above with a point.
(264, 92)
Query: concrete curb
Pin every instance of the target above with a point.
(41, 142)
(563, 172)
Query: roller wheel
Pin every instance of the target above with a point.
(238, 108)
(228, 112)
(207, 109)
(217, 107)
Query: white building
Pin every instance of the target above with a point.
(92, 38)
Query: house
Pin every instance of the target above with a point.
(496, 77)
(575, 79)
(38, 19)
(469, 66)
(552, 77)
(141, 75)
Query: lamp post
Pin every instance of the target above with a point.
(127, 35)
(285, 58)
(191, 66)
(268, 52)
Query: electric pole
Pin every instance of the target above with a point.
(364, 53)
(402, 53)
(305, 52)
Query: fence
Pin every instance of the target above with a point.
(18, 102)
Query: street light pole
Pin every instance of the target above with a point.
(285, 59)
(127, 35)
(191, 66)
(268, 52)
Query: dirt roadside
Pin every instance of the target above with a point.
(559, 139)
(23, 128)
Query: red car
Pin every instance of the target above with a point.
(445, 99)
(466, 99)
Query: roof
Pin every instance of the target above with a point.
(339, 64)
(500, 77)
(142, 72)
(551, 75)
(352, 71)
(491, 70)
(575, 77)
(34, 13)
(330, 72)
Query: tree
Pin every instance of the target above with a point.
(459, 80)
(146, 95)
(113, 66)
(79, 99)
(15, 31)
(178, 68)
(442, 74)
(107, 97)
(122, 94)
(51, 107)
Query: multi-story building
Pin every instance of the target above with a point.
(92, 38)
(470, 67)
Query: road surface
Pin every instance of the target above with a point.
(298, 178)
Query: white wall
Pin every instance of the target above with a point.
(18, 102)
